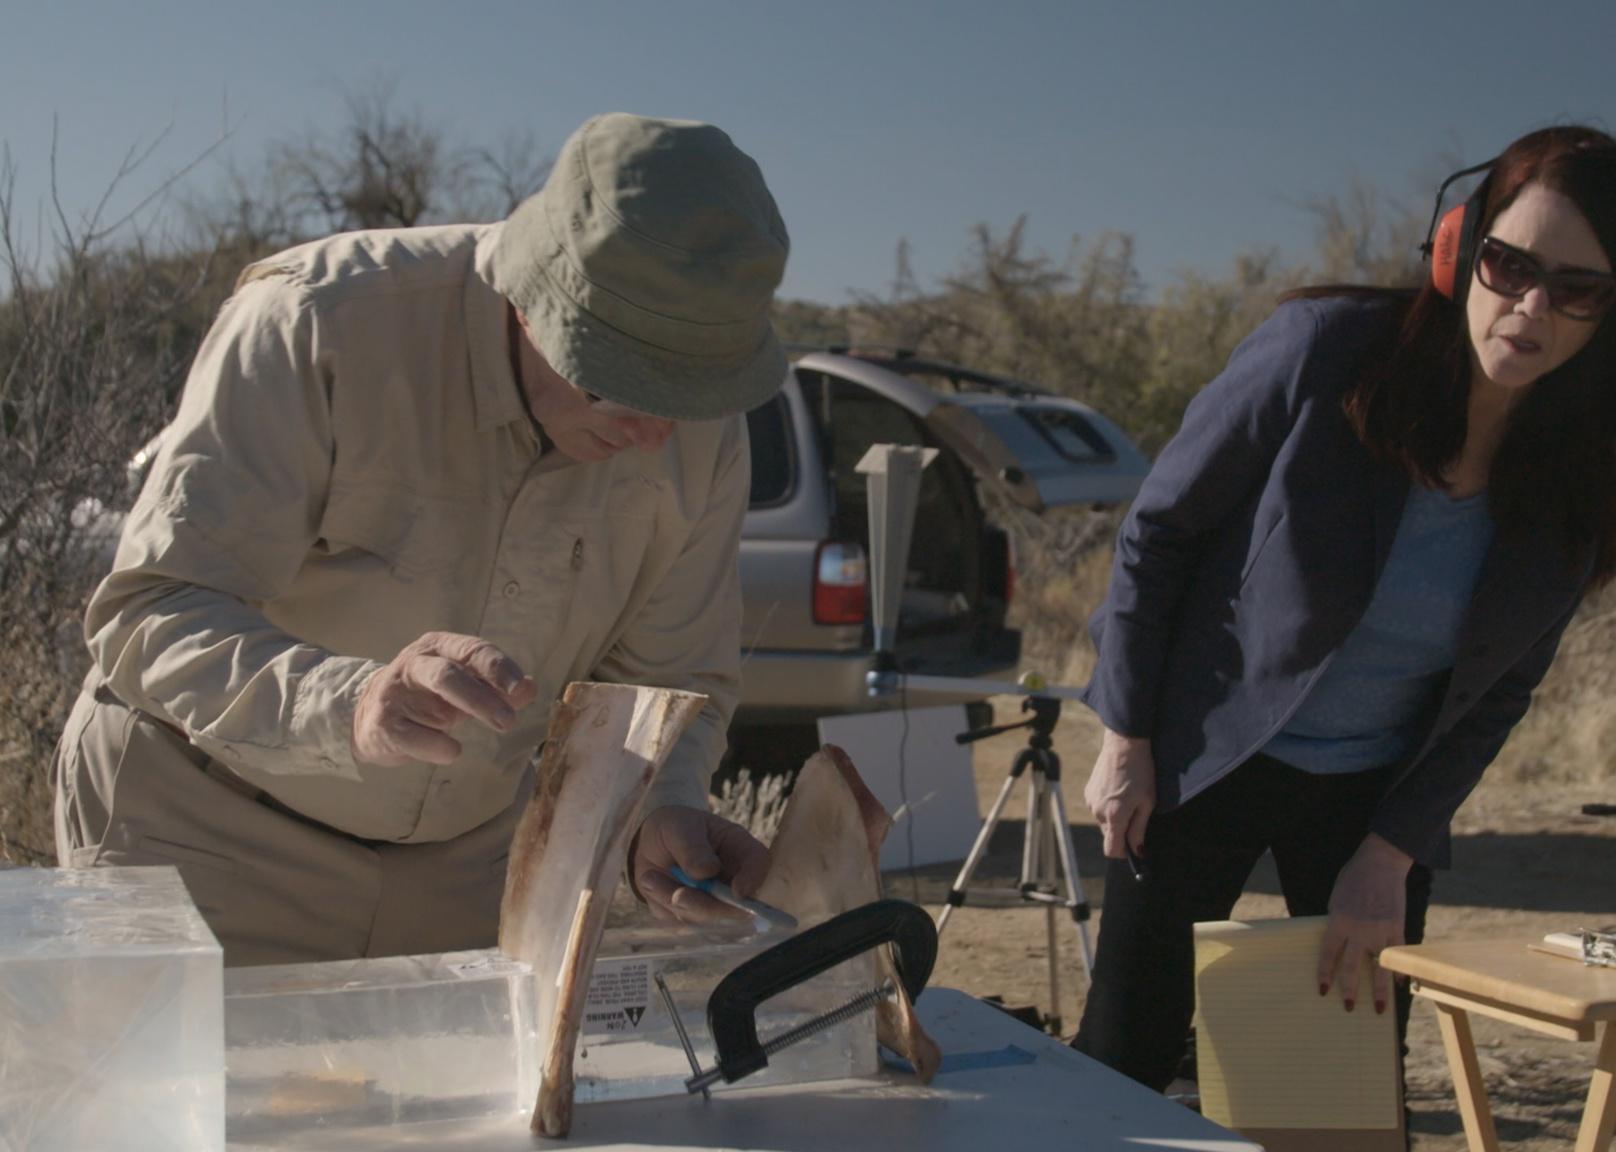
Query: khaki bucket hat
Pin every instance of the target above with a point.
(645, 267)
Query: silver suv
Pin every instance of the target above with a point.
(805, 630)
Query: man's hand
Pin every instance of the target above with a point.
(408, 709)
(1366, 915)
(1121, 792)
(704, 846)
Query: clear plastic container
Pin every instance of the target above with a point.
(111, 1010)
(379, 1042)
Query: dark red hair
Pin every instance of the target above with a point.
(1556, 467)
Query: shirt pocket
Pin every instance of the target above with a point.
(413, 535)
(634, 494)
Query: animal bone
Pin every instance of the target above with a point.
(824, 860)
(606, 743)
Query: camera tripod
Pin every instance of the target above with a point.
(1048, 860)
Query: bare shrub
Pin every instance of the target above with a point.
(389, 168)
(1076, 326)
(94, 341)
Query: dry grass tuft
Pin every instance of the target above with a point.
(756, 805)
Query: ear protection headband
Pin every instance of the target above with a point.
(1452, 238)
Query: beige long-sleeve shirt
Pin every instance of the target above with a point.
(351, 466)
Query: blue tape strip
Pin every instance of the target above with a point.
(689, 881)
(1007, 1057)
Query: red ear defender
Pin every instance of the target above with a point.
(1445, 250)
(1451, 240)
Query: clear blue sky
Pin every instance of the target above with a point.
(1198, 126)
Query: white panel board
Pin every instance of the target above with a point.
(941, 819)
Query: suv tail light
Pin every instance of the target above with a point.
(841, 590)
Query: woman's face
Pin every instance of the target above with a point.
(1514, 341)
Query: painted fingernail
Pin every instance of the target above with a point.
(1324, 989)
(1380, 1007)
(1349, 1005)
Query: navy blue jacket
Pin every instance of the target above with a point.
(1251, 552)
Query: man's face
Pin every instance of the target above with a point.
(584, 428)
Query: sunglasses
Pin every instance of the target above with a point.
(1576, 293)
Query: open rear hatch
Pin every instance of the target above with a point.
(1040, 450)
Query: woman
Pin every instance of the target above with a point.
(1337, 589)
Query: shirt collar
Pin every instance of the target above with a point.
(493, 386)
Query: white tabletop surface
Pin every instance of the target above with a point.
(1002, 1086)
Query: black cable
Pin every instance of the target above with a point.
(903, 788)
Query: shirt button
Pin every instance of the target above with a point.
(1463, 697)
(512, 590)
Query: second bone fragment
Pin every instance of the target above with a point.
(824, 860)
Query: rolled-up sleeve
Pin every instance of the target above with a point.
(688, 635)
(223, 525)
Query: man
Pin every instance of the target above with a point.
(419, 480)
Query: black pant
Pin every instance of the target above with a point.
(1143, 996)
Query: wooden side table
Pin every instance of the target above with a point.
(1507, 980)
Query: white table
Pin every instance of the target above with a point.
(1002, 1086)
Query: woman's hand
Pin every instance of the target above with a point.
(1121, 792)
(1366, 915)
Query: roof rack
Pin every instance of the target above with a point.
(908, 361)
(884, 351)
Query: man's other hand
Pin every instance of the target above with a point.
(408, 709)
(705, 846)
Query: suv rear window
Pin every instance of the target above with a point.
(767, 428)
(1067, 432)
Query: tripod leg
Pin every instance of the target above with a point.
(1038, 880)
(1047, 866)
(956, 894)
(1031, 866)
(1074, 883)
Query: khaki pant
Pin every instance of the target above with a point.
(274, 886)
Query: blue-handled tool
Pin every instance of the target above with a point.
(765, 917)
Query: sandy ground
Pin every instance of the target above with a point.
(1525, 863)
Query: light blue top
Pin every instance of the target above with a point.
(1365, 709)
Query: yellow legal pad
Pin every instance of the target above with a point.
(1277, 1058)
